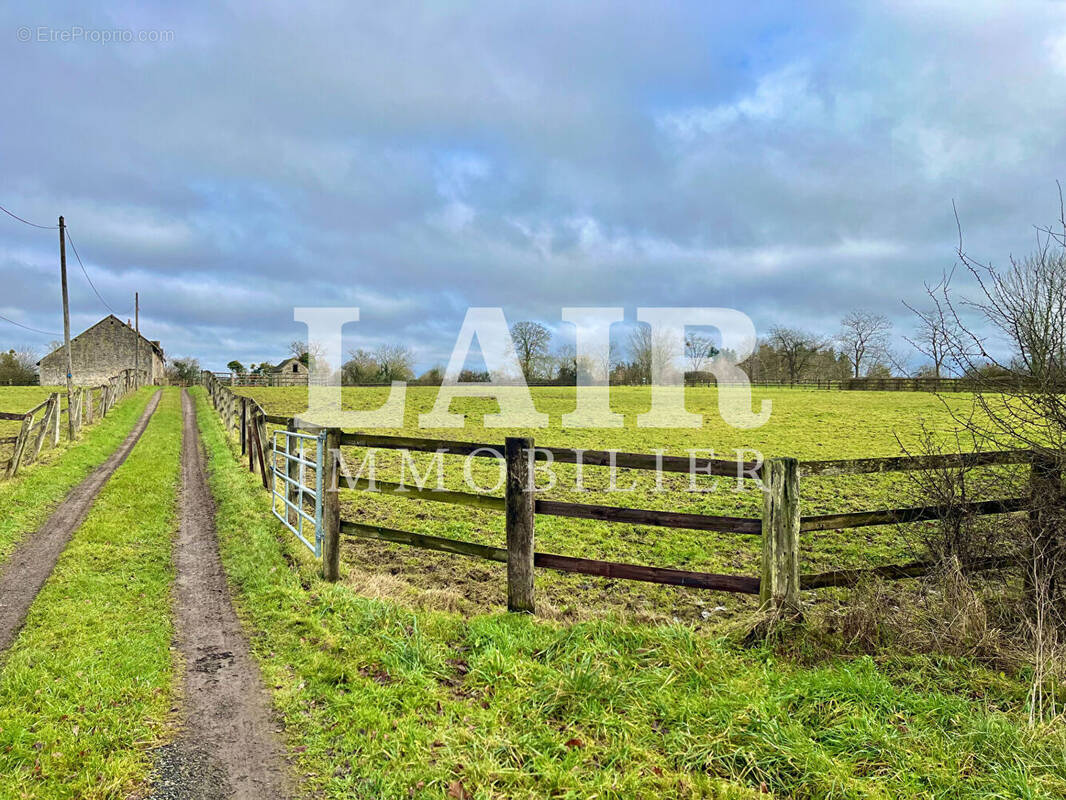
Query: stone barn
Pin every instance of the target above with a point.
(290, 366)
(101, 352)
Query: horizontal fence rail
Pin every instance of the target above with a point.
(641, 516)
(914, 569)
(780, 525)
(900, 516)
(563, 455)
(859, 466)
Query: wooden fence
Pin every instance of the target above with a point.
(87, 403)
(779, 582)
(261, 379)
(939, 385)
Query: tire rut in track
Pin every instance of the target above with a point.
(28, 567)
(227, 746)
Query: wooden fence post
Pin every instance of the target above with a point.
(243, 423)
(1046, 506)
(779, 585)
(87, 401)
(261, 444)
(519, 501)
(20, 446)
(331, 509)
(46, 422)
(249, 422)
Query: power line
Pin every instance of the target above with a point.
(86, 274)
(27, 327)
(27, 222)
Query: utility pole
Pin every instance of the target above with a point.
(137, 340)
(66, 328)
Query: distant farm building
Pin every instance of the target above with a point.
(290, 366)
(103, 351)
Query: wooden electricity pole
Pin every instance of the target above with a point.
(137, 340)
(66, 328)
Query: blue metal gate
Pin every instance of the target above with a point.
(289, 466)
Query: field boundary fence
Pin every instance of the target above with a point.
(779, 527)
(888, 384)
(261, 378)
(897, 384)
(41, 424)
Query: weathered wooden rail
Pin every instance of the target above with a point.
(897, 384)
(87, 404)
(780, 526)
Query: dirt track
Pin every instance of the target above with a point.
(28, 567)
(228, 747)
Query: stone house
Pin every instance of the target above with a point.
(103, 351)
(290, 366)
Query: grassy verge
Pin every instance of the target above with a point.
(85, 688)
(33, 494)
(386, 702)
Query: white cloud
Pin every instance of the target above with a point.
(782, 96)
(1056, 51)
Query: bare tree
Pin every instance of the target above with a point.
(1009, 340)
(933, 330)
(699, 350)
(566, 364)
(394, 362)
(531, 340)
(361, 367)
(796, 348)
(863, 337)
(307, 352)
(603, 362)
(18, 367)
(183, 371)
(650, 349)
(434, 376)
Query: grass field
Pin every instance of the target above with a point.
(807, 424)
(388, 701)
(85, 688)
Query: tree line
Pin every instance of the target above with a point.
(862, 347)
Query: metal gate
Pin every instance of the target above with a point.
(288, 484)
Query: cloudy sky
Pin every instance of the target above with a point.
(418, 159)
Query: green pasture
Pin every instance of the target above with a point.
(382, 700)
